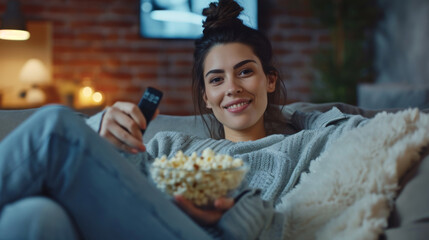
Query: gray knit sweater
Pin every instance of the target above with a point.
(276, 163)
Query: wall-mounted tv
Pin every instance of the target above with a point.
(182, 19)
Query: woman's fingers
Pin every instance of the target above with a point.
(204, 216)
(224, 203)
(124, 146)
(155, 114)
(124, 140)
(122, 124)
(133, 111)
(128, 126)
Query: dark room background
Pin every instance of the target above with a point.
(98, 40)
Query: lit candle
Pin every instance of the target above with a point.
(87, 97)
(97, 97)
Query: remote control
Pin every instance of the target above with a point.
(149, 102)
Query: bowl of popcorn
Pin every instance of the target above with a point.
(200, 179)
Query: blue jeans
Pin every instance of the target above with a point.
(36, 218)
(55, 154)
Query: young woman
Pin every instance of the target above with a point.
(95, 193)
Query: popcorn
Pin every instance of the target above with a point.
(199, 179)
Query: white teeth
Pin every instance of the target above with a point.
(237, 105)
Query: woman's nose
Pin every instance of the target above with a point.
(233, 88)
(233, 91)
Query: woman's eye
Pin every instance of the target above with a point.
(246, 72)
(215, 80)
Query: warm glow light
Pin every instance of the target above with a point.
(87, 91)
(10, 34)
(89, 98)
(34, 71)
(97, 97)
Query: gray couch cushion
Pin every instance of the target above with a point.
(10, 119)
(194, 125)
(187, 124)
(410, 216)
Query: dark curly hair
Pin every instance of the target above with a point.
(222, 26)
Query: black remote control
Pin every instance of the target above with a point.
(149, 102)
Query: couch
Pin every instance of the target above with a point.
(405, 222)
(9, 119)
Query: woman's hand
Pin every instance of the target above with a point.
(203, 216)
(122, 124)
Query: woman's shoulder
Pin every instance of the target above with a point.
(317, 119)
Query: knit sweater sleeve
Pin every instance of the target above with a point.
(316, 119)
(252, 218)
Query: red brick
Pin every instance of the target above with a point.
(116, 76)
(289, 25)
(147, 75)
(107, 87)
(299, 38)
(63, 35)
(90, 36)
(116, 24)
(309, 51)
(184, 63)
(30, 9)
(62, 75)
(324, 39)
(281, 52)
(142, 63)
(179, 75)
(134, 89)
(296, 64)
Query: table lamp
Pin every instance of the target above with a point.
(34, 73)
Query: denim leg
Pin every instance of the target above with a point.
(36, 218)
(108, 198)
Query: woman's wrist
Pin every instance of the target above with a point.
(248, 217)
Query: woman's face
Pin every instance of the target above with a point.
(236, 88)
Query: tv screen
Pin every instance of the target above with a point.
(182, 19)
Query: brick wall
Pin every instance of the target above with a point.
(100, 39)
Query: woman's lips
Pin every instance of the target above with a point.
(237, 106)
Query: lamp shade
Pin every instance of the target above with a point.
(13, 25)
(34, 72)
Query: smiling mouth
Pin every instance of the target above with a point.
(237, 105)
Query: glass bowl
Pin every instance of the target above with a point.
(200, 186)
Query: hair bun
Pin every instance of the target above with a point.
(222, 14)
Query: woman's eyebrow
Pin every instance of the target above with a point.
(235, 67)
(215, 71)
(243, 63)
